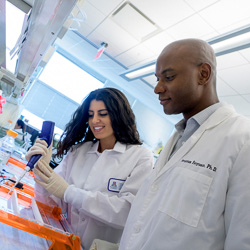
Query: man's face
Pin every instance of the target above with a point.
(178, 87)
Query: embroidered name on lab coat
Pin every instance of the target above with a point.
(202, 165)
(115, 185)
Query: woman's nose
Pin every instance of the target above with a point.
(95, 118)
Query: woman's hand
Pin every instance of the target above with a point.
(50, 180)
(40, 147)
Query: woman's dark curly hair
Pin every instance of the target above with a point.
(121, 115)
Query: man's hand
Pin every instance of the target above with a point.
(50, 180)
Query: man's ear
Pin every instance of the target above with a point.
(204, 73)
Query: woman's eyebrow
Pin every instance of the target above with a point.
(100, 110)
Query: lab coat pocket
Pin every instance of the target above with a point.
(186, 193)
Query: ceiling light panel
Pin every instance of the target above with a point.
(127, 16)
(142, 71)
(233, 42)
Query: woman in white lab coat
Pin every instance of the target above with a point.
(104, 166)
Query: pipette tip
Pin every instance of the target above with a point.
(19, 179)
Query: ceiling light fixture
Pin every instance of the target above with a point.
(224, 44)
(136, 73)
(230, 42)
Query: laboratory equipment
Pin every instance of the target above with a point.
(26, 223)
(7, 145)
(29, 224)
(13, 169)
(47, 135)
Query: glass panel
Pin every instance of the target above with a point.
(14, 23)
(69, 79)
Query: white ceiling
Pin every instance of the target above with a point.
(135, 38)
(137, 30)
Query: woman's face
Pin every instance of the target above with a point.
(99, 121)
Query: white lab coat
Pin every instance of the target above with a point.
(95, 209)
(20, 137)
(200, 197)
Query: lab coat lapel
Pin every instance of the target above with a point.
(180, 153)
(166, 151)
(214, 120)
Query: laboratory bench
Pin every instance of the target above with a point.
(26, 223)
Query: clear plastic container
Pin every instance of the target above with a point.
(9, 124)
(7, 145)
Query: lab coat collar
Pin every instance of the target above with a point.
(119, 147)
(164, 164)
(94, 147)
(218, 116)
(199, 118)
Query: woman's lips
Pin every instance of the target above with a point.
(98, 129)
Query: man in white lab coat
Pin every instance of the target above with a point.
(198, 196)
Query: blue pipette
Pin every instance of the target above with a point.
(47, 135)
